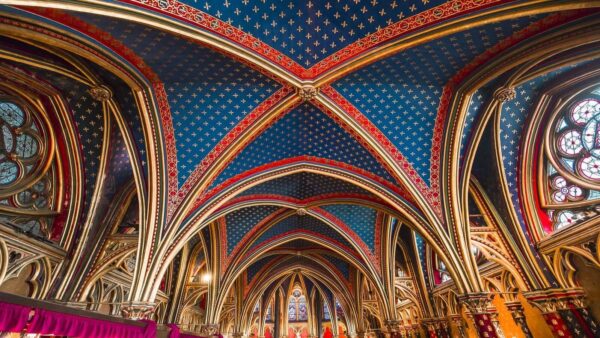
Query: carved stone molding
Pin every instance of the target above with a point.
(308, 93)
(553, 300)
(392, 325)
(477, 303)
(505, 94)
(100, 93)
(208, 330)
(138, 311)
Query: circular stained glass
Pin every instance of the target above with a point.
(569, 143)
(12, 114)
(578, 142)
(27, 146)
(9, 171)
(589, 167)
(19, 144)
(584, 111)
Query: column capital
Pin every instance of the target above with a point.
(553, 300)
(392, 325)
(477, 303)
(515, 308)
(208, 330)
(138, 310)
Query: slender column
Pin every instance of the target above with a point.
(479, 304)
(392, 328)
(494, 318)
(417, 331)
(516, 310)
(459, 324)
(565, 311)
(429, 328)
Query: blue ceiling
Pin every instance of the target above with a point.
(208, 93)
(240, 222)
(340, 264)
(305, 185)
(125, 100)
(421, 245)
(358, 218)
(303, 131)
(119, 170)
(88, 116)
(255, 267)
(301, 223)
(299, 244)
(401, 94)
(308, 31)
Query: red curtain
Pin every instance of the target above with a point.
(13, 317)
(56, 323)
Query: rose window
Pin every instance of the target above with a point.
(578, 140)
(573, 169)
(565, 191)
(20, 150)
(27, 178)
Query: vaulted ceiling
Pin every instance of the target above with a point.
(300, 132)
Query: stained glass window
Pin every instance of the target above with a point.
(269, 316)
(573, 169)
(24, 186)
(297, 311)
(326, 314)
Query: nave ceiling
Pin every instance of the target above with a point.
(201, 160)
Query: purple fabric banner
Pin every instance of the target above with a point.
(176, 333)
(50, 322)
(13, 317)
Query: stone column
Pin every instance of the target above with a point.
(516, 310)
(138, 311)
(494, 318)
(565, 311)
(458, 322)
(437, 327)
(392, 328)
(479, 304)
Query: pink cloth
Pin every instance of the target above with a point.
(184, 335)
(175, 333)
(13, 317)
(50, 322)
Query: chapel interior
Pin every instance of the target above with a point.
(300, 168)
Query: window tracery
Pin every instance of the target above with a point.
(27, 178)
(573, 161)
(297, 307)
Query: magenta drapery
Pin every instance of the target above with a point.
(183, 335)
(50, 322)
(176, 333)
(13, 317)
